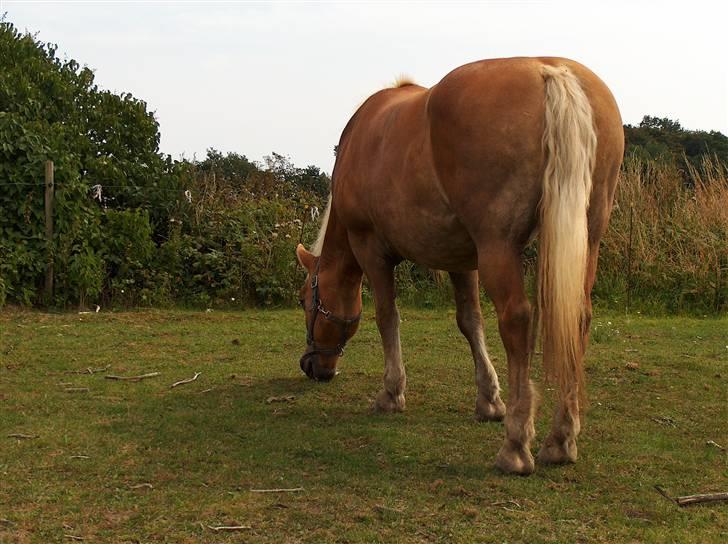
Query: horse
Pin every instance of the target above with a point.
(460, 177)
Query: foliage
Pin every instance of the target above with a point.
(51, 109)
(666, 246)
(665, 140)
(238, 248)
(133, 227)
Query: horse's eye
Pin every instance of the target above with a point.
(302, 303)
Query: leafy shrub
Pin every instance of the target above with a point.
(127, 251)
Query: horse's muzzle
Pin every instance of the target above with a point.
(309, 365)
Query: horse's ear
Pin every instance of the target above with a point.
(305, 257)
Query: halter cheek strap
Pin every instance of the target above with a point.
(317, 307)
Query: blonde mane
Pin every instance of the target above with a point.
(402, 80)
(319, 244)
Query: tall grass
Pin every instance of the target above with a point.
(666, 249)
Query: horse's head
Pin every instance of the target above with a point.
(326, 331)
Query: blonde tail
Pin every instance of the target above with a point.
(570, 143)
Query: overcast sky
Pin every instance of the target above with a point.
(260, 77)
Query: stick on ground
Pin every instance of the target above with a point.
(188, 380)
(24, 436)
(142, 486)
(88, 370)
(133, 378)
(229, 528)
(664, 493)
(688, 500)
(715, 445)
(282, 490)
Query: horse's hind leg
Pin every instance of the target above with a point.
(488, 404)
(560, 445)
(501, 274)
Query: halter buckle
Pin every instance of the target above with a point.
(323, 311)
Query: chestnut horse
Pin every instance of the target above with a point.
(460, 177)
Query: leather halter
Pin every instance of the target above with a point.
(317, 307)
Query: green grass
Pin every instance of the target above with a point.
(422, 476)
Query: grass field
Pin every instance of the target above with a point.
(121, 461)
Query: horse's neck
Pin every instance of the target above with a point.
(340, 271)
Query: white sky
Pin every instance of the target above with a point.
(260, 77)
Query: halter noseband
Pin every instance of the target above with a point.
(317, 307)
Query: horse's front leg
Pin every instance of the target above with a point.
(488, 404)
(381, 279)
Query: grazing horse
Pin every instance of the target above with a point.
(460, 177)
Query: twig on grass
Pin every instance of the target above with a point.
(76, 389)
(141, 486)
(23, 436)
(73, 537)
(688, 500)
(664, 493)
(79, 457)
(714, 444)
(133, 378)
(188, 380)
(504, 503)
(664, 420)
(229, 528)
(285, 398)
(281, 490)
(88, 370)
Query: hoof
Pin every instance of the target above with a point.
(557, 452)
(486, 410)
(515, 460)
(386, 403)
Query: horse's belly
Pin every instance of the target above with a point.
(438, 243)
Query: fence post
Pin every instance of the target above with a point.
(49, 187)
(629, 259)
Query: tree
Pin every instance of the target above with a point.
(665, 139)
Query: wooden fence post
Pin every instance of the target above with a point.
(49, 186)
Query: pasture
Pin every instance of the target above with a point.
(122, 461)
